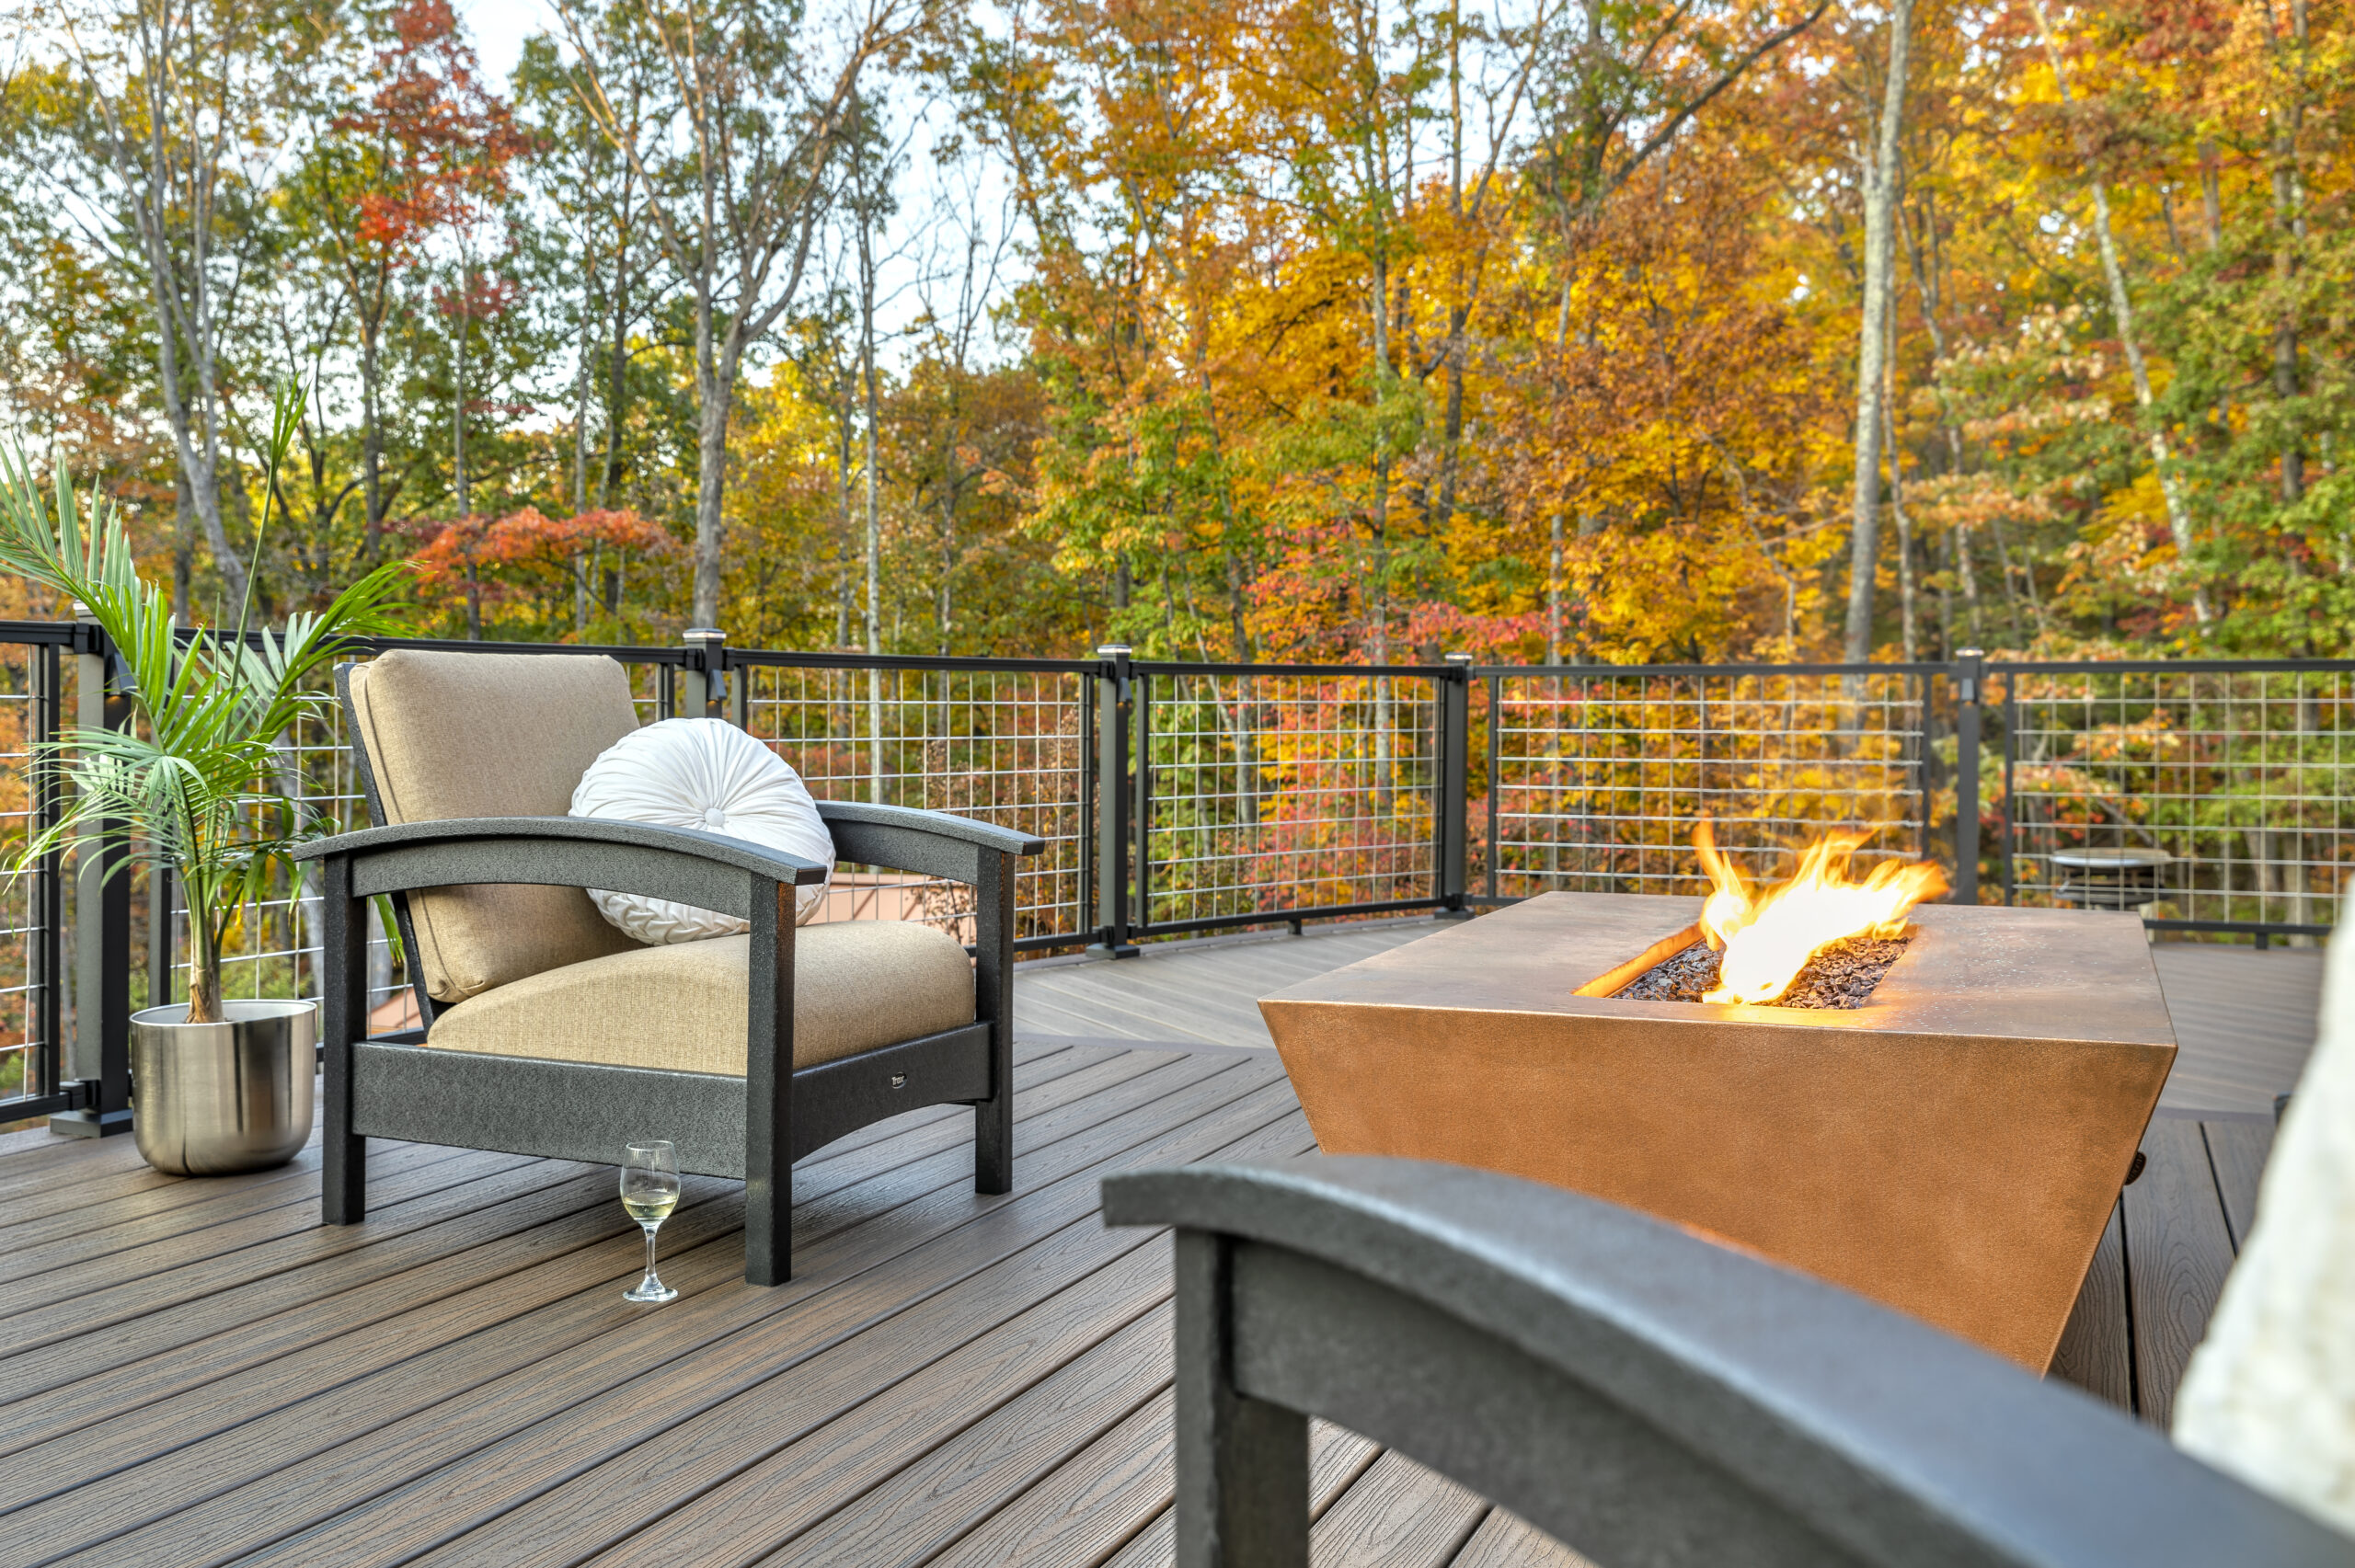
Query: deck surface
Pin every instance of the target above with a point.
(197, 1372)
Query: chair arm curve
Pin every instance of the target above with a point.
(686, 866)
(742, 855)
(1865, 1430)
(939, 824)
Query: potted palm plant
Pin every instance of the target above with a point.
(192, 786)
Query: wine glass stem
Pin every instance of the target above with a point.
(650, 1251)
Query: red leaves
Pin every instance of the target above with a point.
(484, 297)
(529, 538)
(523, 558)
(446, 141)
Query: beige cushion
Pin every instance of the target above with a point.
(856, 985)
(491, 735)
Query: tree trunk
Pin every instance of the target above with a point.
(712, 398)
(874, 536)
(842, 478)
(372, 438)
(1872, 346)
(1554, 589)
(460, 490)
(183, 547)
(617, 371)
(1911, 640)
(2121, 310)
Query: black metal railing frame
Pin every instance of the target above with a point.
(1120, 795)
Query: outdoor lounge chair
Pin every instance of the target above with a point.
(548, 1032)
(1643, 1395)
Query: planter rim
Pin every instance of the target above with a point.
(241, 1009)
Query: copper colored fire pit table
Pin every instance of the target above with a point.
(1952, 1148)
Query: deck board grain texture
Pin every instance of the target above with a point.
(2179, 1250)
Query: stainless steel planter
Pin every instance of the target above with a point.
(214, 1098)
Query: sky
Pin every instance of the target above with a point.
(500, 27)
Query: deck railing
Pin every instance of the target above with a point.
(1184, 797)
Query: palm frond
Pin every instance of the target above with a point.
(190, 784)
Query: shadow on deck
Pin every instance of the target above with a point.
(197, 1372)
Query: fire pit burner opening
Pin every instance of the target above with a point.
(1839, 976)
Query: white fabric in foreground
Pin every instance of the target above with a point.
(2270, 1392)
(701, 772)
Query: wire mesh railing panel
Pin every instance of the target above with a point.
(1597, 780)
(2236, 788)
(1003, 746)
(28, 1007)
(1269, 793)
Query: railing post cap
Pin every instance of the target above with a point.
(1111, 650)
(1459, 658)
(704, 635)
(1969, 653)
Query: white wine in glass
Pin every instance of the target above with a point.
(649, 1192)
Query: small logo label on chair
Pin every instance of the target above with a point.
(899, 1080)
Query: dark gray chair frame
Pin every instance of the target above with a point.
(753, 1129)
(1646, 1397)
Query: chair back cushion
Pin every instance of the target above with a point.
(490, 735)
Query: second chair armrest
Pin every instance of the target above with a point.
(934, 844)
(1851, 1423)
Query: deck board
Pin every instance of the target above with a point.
(1396, 1515)
(199, 1373)
(527, 1430)
(2097, 1350)
(2179, 1250)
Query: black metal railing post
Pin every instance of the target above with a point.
(1969, 676)
(100, 1055)
(2007, 821)
(1115, 798)
(702, 691)
(1449, 827)
(1141, 803)
(48, 879)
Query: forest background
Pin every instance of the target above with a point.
(1364, 330)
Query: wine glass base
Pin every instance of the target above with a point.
(651, 1290)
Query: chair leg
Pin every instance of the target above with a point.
(994, 1000)
(768, 1089)
(769, 1229)
(1242, 1492)
(993, 1142)
(343, 1178)
(343, 1168)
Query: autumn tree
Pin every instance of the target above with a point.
(737, 158)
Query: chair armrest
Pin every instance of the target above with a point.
(1721, 1375)
(934, 844)
(711, 871)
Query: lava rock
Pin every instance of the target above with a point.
(1841, 975)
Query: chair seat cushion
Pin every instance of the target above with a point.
(680, 1008)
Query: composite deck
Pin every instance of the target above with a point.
(197, 1372)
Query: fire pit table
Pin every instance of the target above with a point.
(1951, 1148)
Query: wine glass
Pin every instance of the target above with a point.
(649, 1192)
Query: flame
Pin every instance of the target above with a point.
(1766, 939)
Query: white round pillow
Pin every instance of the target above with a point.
(701, 772)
